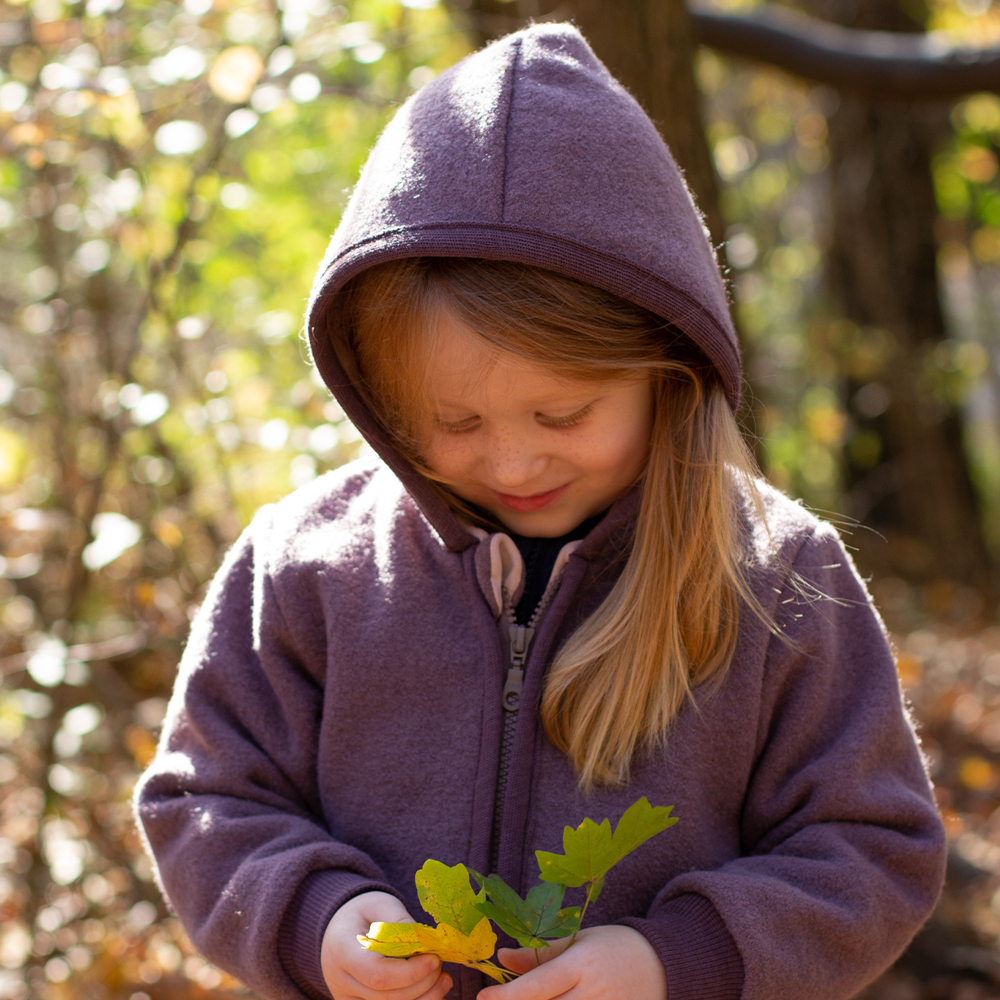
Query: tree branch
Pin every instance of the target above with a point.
(879, 64)
(109, 649)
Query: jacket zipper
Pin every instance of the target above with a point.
(520, 637)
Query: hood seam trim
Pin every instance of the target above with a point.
(530, 230)
(506, 130)
(697, 307)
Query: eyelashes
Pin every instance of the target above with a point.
(557, 423)
(459, 427)
(570, 421)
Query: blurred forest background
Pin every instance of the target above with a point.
(171, 174)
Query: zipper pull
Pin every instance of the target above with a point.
(520, 640)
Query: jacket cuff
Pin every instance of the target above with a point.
(300, 936)
(698, 953)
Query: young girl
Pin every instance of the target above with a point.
(560, 588)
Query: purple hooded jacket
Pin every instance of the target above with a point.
(337, 719)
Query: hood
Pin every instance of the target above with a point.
(528, 151)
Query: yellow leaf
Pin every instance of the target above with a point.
(450, 945)
(235, 72)
(978, 774)
(13, 456)
(124, 117)
(403, 940)
(910, 669)
(445, 893)
(26, 134)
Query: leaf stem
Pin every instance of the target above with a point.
(583, 912)
(491, 968)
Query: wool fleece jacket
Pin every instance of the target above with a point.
(337, 718)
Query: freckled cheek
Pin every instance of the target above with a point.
(608, 454)
(452, 459)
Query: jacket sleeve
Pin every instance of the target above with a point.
(230, 806)
(843, 852)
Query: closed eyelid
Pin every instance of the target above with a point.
(471, 423)
(567, 421)
(458, 425)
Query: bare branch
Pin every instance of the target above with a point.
(109, 649)
(879, 64)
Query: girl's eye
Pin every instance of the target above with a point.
(459, 426)
(570, 421)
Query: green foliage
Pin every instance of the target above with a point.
(533, 919)
(592, 850)
(462, 933)
(153, 394)
(133, 274)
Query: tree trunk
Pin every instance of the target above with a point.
(907, 473)
(648, 45)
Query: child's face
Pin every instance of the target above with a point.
(540, 453)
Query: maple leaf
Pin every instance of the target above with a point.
(450, 945)
(591, 849)
(447, 895)
(639, 823)
(530, 921)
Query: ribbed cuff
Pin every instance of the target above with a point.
(698, 953)
(300, 936)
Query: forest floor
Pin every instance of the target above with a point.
(951, 675)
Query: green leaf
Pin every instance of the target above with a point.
(591, 850)
(594, 889)
(640, 822)
(553, 921)
(589, 853)
(447, 895)
(529, 921)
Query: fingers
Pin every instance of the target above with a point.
(433, 987)
(441, 983)
(354, 973)
(439, 989)
(606, 963)
(375, 977)
(371, 907)
(544, 982)
(519, 960)
(522, 960)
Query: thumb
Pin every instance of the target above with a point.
(519, 960)
(522, 960)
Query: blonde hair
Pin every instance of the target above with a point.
(671, 619)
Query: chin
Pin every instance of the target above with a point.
(543, 524)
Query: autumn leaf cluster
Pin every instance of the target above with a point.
(463, 933)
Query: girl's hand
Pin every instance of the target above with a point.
(354, 973)
(605, 963)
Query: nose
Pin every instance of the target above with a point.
(514, 461)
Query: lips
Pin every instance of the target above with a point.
(536, 501)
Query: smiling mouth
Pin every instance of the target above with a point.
(534, 502)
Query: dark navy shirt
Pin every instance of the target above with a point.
(539, 555)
